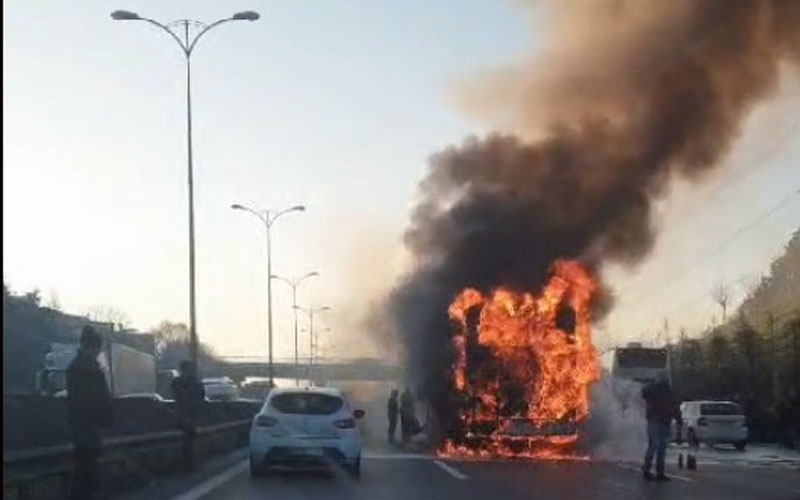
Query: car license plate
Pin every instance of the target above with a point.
(313, 452)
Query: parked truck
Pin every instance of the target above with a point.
(127, 370)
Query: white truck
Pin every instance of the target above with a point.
(127, 370)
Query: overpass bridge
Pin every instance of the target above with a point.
(363, 369)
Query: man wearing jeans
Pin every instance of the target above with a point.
(661, 409)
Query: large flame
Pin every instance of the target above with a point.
(523, 362)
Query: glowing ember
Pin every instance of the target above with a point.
(523, 368)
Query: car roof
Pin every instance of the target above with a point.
(329, 391)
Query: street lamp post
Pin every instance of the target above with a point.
(310, 311)
(294, 283)
(187, 45)
(268, 218)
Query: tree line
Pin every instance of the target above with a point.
(753, 357)
(29, 327)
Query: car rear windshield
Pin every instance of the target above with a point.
(301, 403)
(720, 409)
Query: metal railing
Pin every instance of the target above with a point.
(22, 468)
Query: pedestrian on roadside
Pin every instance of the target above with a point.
(189, 396)
(392, 409)
(661, 408)
(407, 415)
(88, 409)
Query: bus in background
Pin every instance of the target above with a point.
(640, 364)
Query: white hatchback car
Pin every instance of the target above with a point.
(714, 422)
(306, 427)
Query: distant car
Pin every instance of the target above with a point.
(299, 427)
(218, 381)
(152, 396)
(221, 392)
(714, 422)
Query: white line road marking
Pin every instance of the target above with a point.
(639, 470)
(394, 456)
(215, 482)
(450, 470)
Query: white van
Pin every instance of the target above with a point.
(714, 422)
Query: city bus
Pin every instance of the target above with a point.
(640, 364)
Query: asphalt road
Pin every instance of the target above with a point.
(399, 476)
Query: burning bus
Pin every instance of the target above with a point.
(523, 368)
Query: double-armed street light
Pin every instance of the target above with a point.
(268, 218)
(181, 32)
(294, 283)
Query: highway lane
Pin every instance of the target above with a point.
(395, 477)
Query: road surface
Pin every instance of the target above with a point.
(395, 476)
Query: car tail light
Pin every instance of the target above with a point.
(264, 421)
(347, 423)
(702, 421)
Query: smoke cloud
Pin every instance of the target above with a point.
(628, 95)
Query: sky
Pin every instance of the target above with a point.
(335, 105)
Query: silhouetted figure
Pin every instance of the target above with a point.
(661, 409)
(88, 409)
(407, 415)
(392, 409)
(189, 395)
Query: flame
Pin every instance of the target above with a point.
(520, 365)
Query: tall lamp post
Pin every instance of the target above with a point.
(294, 283)
(311, 311)
(187, 42)
(268, 218)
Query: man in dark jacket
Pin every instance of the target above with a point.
(189, 394)
(408, 419)
(88, 409)
(392, 409)
(661, 408)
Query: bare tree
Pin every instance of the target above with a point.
(721, 295)
(109, 314)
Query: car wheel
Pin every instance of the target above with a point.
(740, 445)
(257, 469)
(691, 437)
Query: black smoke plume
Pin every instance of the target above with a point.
(630, 94)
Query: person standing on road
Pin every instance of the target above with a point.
(407, 415)
(189, 395)
(392, 409)
(661, 408)
(88, 409)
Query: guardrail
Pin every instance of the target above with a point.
(42, 473)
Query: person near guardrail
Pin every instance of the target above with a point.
(189, 395)
(88, 409)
